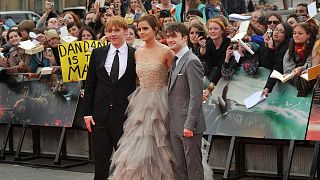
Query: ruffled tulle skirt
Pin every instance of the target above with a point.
(144, 151)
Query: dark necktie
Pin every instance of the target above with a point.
(174, 63)
(114, 74)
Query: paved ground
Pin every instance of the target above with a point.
(17, 172)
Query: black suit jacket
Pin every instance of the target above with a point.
(100, 92)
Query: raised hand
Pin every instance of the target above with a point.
(229, 53)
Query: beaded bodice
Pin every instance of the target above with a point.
(152, 75)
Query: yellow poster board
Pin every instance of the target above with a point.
(75, 58)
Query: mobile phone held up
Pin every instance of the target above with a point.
(202, 34)
(104, 8)
(49, 4)
(49, 52)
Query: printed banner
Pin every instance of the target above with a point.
(282, 115)
(75, 58)
(41, 102)
(314, 122)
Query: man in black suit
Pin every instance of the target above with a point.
(110, 80)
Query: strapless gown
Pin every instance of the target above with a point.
(144, 151)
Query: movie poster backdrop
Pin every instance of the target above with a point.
(282, 115)
(42, 102)
(314, 121)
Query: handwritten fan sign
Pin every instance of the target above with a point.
(75, 58)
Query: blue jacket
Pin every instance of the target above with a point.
(211, 12)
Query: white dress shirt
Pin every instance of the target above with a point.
(181, 53)
(123, 57)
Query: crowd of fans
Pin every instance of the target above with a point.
(286, 44)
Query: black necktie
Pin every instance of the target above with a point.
(174, 63)
(114, 74)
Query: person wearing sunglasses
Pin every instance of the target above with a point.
(273, 20)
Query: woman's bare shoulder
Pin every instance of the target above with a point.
(164, 47)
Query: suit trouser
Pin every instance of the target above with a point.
(187, 153)
(106, 135)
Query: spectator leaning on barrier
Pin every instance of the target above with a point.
(298, 57)
(22, 62)
(18, 60)
(214, 51)
(53, 41)
(276, 47)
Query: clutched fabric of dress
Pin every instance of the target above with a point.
(144, 151)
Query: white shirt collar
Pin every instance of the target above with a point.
(122, 49)
(182, 52)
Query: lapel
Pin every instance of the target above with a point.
(175, 72)
(104, 54)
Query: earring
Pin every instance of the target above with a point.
(308, 41)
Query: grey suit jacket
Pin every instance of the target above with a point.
(185, 95)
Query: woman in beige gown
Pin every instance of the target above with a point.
(144, 152)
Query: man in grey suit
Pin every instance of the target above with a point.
(185, 106)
